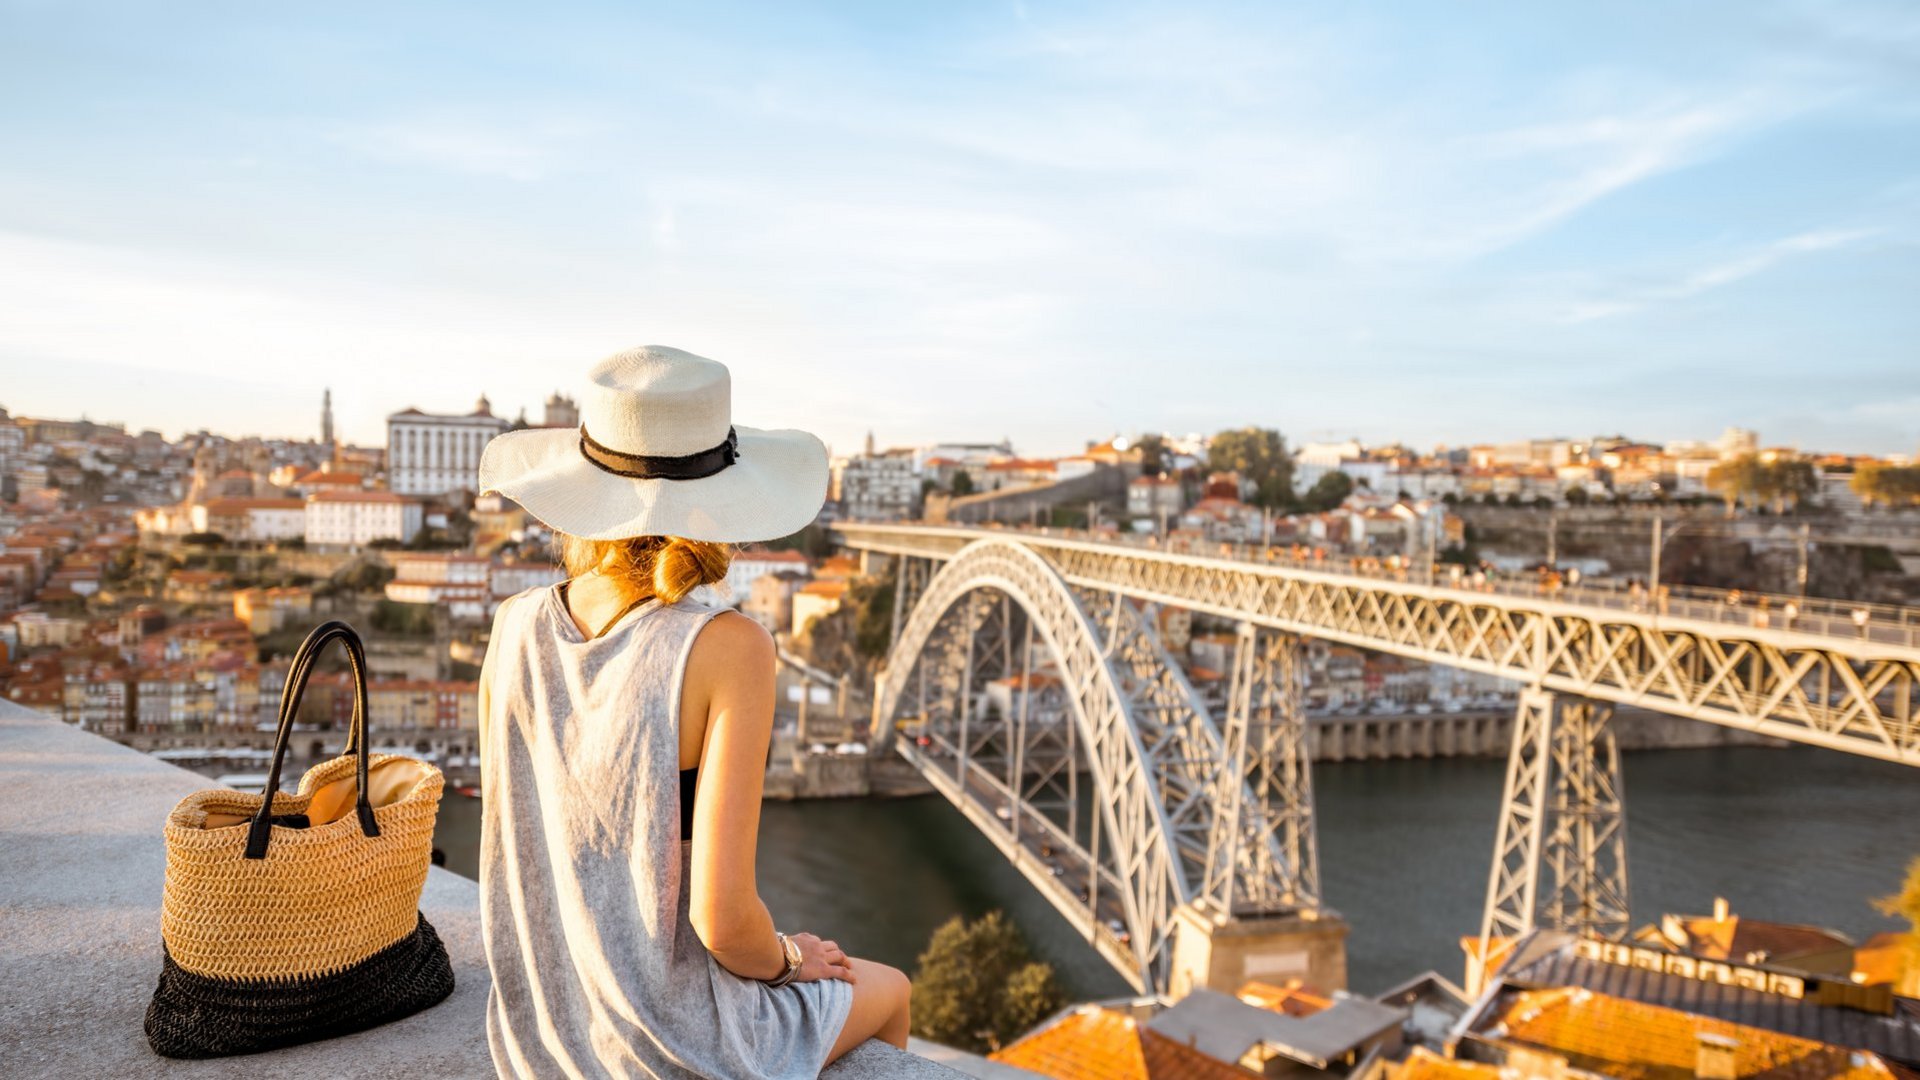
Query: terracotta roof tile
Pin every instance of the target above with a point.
(1734, 938)
(1634, 1041)
(1094, 1043)
(1089, 1044)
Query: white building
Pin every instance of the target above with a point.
(1423, 483)
(433, 455)
(1068, 468)
(879, 487)
(752, 565)
(512, 578)
(968, 455)
(1152, 496)
(458, 583)
(560, 411)
(1316, 460)
(258, 520)
(1736, 441)
(358, 518)
(815, 600)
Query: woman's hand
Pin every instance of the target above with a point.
(821, 960)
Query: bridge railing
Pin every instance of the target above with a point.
(1881, 623)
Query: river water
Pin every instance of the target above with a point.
(1795, 835)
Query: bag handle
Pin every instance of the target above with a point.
(262, 828)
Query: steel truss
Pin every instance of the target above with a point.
(1562, 819)
(1114, 705)
(1273, 850)
(1854, 695)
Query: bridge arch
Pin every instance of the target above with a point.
(1154, 835)
(949, 617)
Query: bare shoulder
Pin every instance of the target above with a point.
(730, 641)
(730, 667)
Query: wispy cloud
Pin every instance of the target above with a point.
(1716, 275)
(525, 152)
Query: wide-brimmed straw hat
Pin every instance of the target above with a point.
(657, 454)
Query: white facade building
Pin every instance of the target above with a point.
(748, 567)
(429, 455)
(879, 487)
(258, 520)
(512, 578)
(969, 455)
(1152, 496)
(358, 518)
(458, 583)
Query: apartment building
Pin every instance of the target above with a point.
(351, 518)
(430, 454)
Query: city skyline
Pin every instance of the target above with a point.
(532, 414)
(1033, 221)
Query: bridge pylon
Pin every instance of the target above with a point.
(1264, 858)
(1560, 856)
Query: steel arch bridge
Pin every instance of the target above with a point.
(1176, 810)
(1216, 814)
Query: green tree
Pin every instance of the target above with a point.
(1328, 492)
(1788, 482)
(852, 640)
(1578, 496)
(1153, 455)
(978, 987)
(962, 483)
(405, 620)
(362, 577)
(1735, 480)
(1892, 485)
(1260, 457)
(1748, 480)
(811, 540)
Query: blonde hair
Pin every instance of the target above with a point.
(668, 567)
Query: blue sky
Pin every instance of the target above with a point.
(1432, 222)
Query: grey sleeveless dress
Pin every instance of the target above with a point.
(583, 875)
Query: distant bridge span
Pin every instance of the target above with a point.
(1210, 819)
(1841, 690)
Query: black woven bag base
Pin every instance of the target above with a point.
(195, 1016)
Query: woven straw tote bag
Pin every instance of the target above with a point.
(292, 918)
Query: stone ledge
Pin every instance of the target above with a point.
(81, 866)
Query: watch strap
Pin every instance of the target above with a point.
(787, 952)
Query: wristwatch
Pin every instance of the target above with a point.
(791, 950)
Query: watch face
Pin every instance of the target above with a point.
(793, 952)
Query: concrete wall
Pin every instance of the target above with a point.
(1018, 505)
(81, 865)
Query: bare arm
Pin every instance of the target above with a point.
(730, 686)
(730, 670)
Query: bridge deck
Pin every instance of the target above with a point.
(1815, 672)
(1844, 620)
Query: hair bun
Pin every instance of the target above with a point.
(683, 565)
